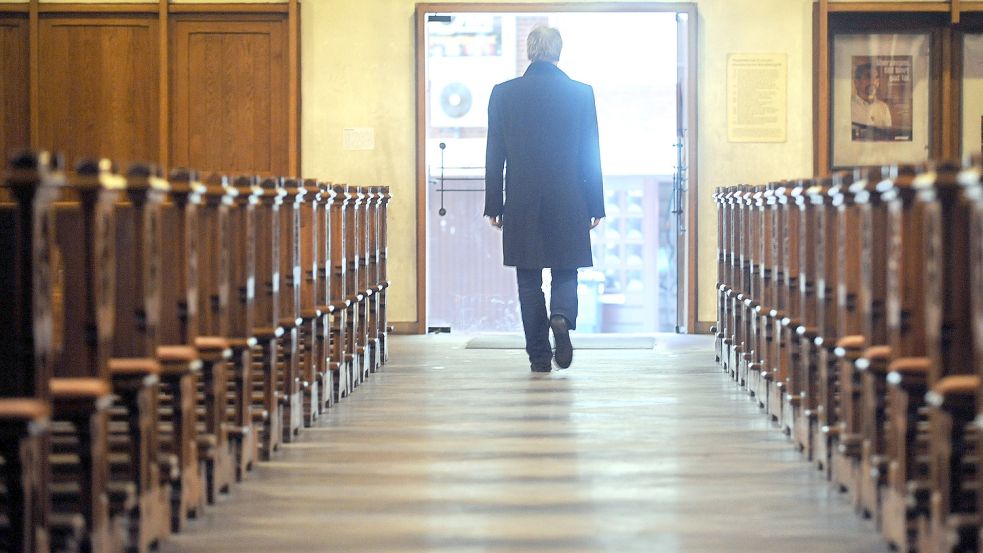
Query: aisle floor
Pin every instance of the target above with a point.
(454, 450)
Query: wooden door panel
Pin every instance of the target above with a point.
(99, 86)
(229, 95)
(15, 115)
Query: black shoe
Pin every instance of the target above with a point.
(540, 367)
(561, 337)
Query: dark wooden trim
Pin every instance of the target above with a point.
(163, 157)
(34, 31)
(407, 328)
(293, 88)
(692, 163)
(821, 145)
(85, 9)
(703, 327)
(300, 94)
(941, 7)
(280, 8)
(421, 175)
(10, 7)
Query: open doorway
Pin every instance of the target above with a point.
(638, 63)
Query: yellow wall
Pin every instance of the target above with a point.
(358, 71)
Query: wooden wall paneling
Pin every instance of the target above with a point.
(293, 115)
(229, 93)
(15, 61)
(33, 22)
(164, 83)
(821, 47)
(98, 86)
(939, 101)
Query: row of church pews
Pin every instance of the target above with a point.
(159, 336)
(851, 309)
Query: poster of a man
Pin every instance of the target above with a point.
(880, 107)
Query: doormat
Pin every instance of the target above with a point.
(580, 341)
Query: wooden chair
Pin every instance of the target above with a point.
(372, 281)
(181, 364)
(951, 522)
(266, 396)
(83, 295)
(26, 350)
(823, 377)
(323, 295)
(754, 359)
(383, 247)
(135, 371)
(214, 280)
(343, 358)
(310, 356)
(778, 370)
(288, 379)
(766, 310)
(355, 238)
(740, 268)
(852, 205)
(791, 299)
(907, 361)
(242, 316)
(881, 241)
(730, 317)
(722, 280)
(803, 377)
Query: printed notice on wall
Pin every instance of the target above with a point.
(756, 97)
(359, 138)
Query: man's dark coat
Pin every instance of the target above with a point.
(542, 134)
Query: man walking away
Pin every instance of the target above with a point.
(543, 189)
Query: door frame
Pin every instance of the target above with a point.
(686, 267)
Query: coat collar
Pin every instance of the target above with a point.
(543, 68)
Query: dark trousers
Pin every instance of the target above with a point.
(532, 304)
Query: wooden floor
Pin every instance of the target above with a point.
(455, 450)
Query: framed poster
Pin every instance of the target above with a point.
(972, 96)
(880, 99)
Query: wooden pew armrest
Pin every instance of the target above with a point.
(807, 332)
(29, 417)
(954, 390)
(909, 372)
(134, 372)
(856, 342)
(25, 409)
(213, 348)
(310, 313)
(875, 359)
(242, 343)
(288, 323)
(268, 332)
(178, 360)
(80, 395)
